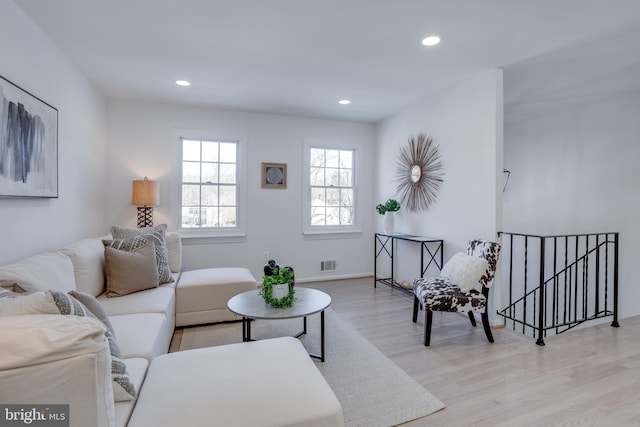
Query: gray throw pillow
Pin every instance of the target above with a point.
(91, 303)
(131, 269)
(124, 237)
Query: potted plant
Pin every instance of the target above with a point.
(390, 207)
(278, 287)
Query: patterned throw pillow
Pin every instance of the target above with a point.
(127, 237)
(123, 388)
(57, 302)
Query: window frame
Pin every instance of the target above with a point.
(328, 230)
(211, 234)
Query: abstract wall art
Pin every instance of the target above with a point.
(28, 144)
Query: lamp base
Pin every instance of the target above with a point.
(145, 216)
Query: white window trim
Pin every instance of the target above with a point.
(210, 235)
(328, 231)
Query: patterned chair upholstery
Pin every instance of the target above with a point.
(441, 294)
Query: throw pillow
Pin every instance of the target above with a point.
(123, 388)
(132, 269)
(157, 235)
(91, 303)
(57, 302)
(46, 270)
(464, 270)
(18, 303)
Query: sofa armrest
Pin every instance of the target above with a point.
(50, 359)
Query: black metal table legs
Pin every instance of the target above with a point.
(246, 333)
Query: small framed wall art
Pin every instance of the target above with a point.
(274, 175)
(28, 144)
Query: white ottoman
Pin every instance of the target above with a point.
(266, 383)
(202, 295)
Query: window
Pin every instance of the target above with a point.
(209, 184)
(331, 187)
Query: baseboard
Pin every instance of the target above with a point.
(334, 277)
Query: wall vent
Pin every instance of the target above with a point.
(328, 265)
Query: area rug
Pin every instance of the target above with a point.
(372, 390)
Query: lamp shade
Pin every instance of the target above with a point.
(144, 192)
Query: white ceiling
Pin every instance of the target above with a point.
(301, 56)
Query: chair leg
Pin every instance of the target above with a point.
(472, 318)
(427, 326)
(416, 303)
(487, 328)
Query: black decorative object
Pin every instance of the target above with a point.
(419, 173)
(271, 268)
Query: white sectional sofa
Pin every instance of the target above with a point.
(56, 359)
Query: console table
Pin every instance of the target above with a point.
(431, 251)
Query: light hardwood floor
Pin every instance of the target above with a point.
(588, 377)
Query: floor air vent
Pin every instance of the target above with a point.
(328, 265)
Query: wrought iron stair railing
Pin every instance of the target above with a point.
(556, 283)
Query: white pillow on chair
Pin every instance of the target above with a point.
(464, 270)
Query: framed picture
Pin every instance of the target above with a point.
(28, 144)
(274, 175)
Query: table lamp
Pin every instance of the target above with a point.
(145, 195)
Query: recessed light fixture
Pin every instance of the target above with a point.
(183, 83)
(344, 102)
(431, 41)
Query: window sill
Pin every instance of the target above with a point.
(190, 237)
(332, 233)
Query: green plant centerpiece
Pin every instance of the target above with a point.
(270, 283)
(390, 206)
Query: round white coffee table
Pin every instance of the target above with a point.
(250, 305)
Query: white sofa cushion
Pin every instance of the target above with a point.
(16, 304)
(56, 302)
(202, 295)
(146, 335)
(209, 386)
(156, 300)
(58, 360)
(87, 257)
(48, 270)
(174, 251)
(31, 339)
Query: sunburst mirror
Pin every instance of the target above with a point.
(419, 173)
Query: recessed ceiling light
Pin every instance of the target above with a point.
(431, 41)
(344, 102)
(183, 83)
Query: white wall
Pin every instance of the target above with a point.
(577, 172)
(466, 122)
(33, 62)
(142, 141)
